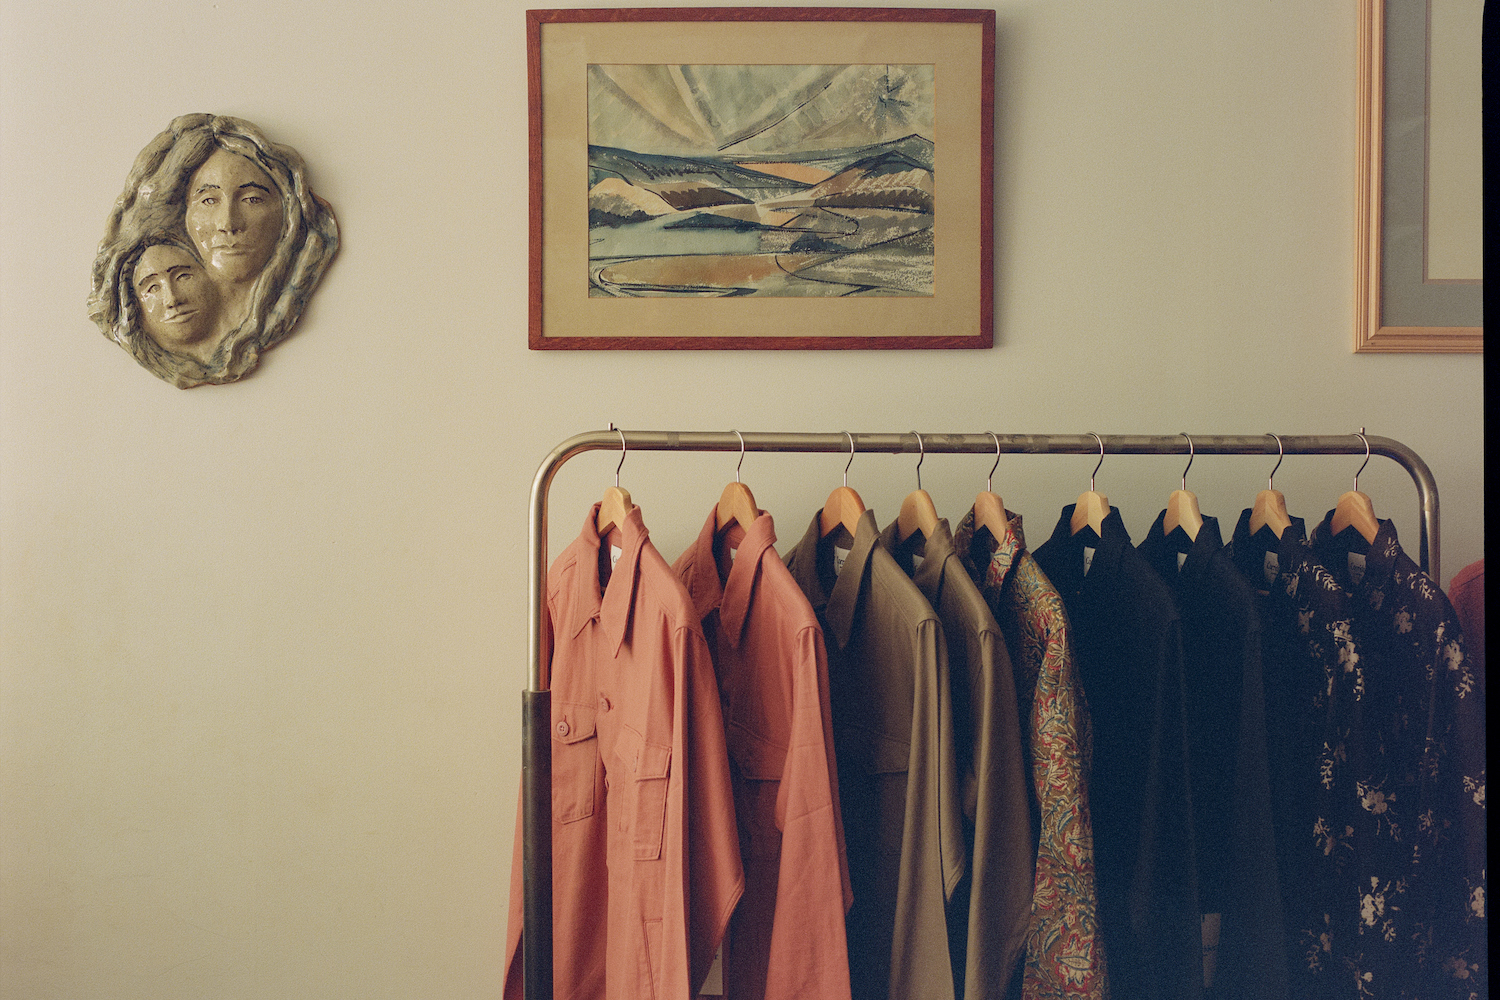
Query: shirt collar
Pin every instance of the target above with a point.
(744, 575)
(1200, 551)
(989, 569)
(1248, 552)
(843, 602)
(1242, 534)
(936, 551)
(1107, 546)
(1333, 551)
(702, 582)
(963, 541)
(1006, 553)
(612, 607)
(734, 595)
(1294, 546)
(802, 561)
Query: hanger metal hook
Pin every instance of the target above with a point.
(1191, 454)
(851, 457)
(1280, 454)
(623, 449)
(990, 479)
(921, 454)
(1366, 462)
(742, 456)
(1099, 463)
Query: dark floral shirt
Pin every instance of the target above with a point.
(1394, 884)
(1064, 954)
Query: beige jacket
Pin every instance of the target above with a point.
(893, 738)
(989, 913)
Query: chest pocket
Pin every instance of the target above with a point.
(869, 752)
(650, 766)
(758, 759)
(575, 762)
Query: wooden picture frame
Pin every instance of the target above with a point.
(1401, 304)
(683, 244)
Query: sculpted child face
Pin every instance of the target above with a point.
(178, 301)
(233, 215)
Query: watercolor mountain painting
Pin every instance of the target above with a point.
(730, 180)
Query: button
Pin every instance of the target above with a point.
(562, 728)
(604, 705)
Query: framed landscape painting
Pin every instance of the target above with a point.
(761, 178)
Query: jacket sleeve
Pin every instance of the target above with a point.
(932, 848)
(701, 847)
(1002, 864)
(809, 954)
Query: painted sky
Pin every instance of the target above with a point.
(756, 110)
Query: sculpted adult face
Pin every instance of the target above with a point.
(178, 301)
(233, 215)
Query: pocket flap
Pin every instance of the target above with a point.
(757, 759)
(869, 752)
(572, 723)
(646, 760)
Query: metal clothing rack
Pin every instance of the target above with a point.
(536, 755)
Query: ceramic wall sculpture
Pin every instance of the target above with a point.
(211, 252)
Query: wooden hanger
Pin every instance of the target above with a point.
(616, 504)
(1089, 511)
(1183, 512)
(917, 512)
(1354, 508)
(843, 507)
(989, 508)
(613, 509)
(1091, 508)
(1182, 505)
(736, 503)
(1270, 506)
(917, 515)
(1270, 511)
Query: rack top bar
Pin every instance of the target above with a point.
(982, 443)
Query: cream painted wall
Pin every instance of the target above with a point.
(261, 645)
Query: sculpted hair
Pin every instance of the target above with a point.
(155, 201)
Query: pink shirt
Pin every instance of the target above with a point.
(645, 865)
(786, 939)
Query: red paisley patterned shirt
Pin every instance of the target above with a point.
(1064, 952)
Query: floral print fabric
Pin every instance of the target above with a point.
(1064, 952)
(1393, 901)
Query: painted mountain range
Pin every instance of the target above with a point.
(826, 222)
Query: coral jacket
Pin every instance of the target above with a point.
(645, 854)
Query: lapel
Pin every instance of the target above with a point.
(615, 604)
(744, 574)
(843, 602)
